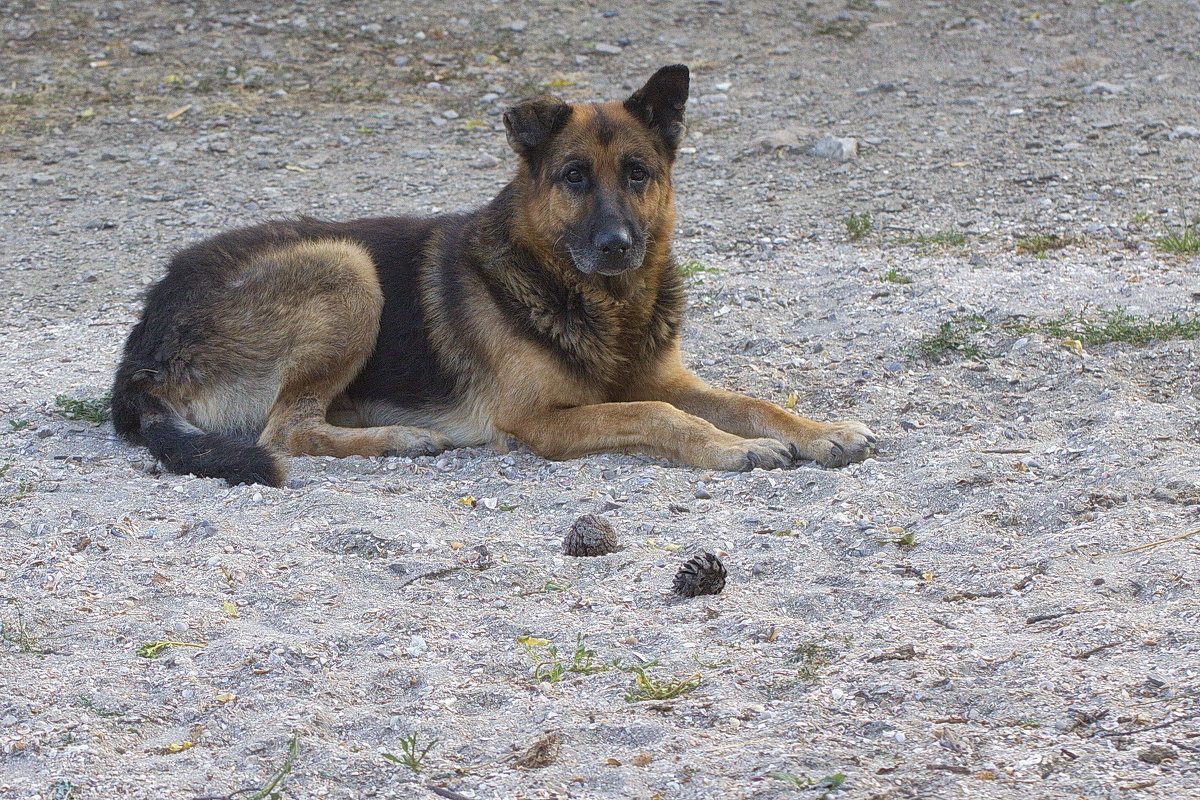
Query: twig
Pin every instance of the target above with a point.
(269, 787)
(1052, 615)
(1166, 724)
(432, 573)
(1100, 648)
(1148, 545)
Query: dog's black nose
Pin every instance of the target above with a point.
(613, 242)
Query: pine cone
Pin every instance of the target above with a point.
(702, 574)
(590, 535)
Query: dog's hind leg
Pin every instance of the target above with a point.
(331, 334)
(297, 426)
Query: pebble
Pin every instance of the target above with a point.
(607, 49)
(517, 25)
(837, 148)
(416, 647)
(776, 140)
(418, 153)
(400, 61)
(485, 161)
(41, 179)
(143, 48)
(1184, 132)
(1100, 87)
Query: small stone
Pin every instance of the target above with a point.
(1100, 87)
(90, 277)
(1157, 754)
(702, 574)
(590, 535)
(418, 153)
(400, 61)
(41, 179)
(142, 48)
(485, 161)
(607, 49)
(99, 224)
(776, 140)
(839, 149)
(416, 647)
(1184, 132)
(517, 25)
(702, 494)
(450, 114)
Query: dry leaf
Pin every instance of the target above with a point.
(1074, 345)
(541, 753)
(226, 697)
(179, 112)
(793, 398)
(229, 608)
(611, 762)
(532, 641)
(642, 759)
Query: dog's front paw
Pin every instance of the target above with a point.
(744, 455)
(836, 444)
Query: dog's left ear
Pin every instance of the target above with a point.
(659, 104)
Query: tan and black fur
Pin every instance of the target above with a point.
(550, 315)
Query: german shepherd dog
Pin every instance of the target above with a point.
(550, 315)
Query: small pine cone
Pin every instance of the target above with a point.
(590, 535)
(702, 574)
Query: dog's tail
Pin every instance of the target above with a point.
(146, 419)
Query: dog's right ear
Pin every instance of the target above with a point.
(530, 124)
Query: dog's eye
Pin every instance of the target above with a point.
(638, 175)
(574, 176)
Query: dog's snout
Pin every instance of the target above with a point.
(614, 242)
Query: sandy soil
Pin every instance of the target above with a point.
(964, 616)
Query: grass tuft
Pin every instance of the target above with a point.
(91, 409)
(858, 225)
(1038, 244)
(1119, 326)
(810, 657)
(953, 336)
(894, 275)
(693, 269)
(938, 239)
(829, 783)
(647, 687)
(549, 667)
(1185, 241)
(412, 755)
(155, 649)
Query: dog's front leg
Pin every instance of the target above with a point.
(657, 428)
(831, 444)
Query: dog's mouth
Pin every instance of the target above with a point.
(590, 262)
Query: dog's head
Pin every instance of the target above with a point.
(596, 178)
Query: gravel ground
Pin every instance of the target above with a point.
(964, 616)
